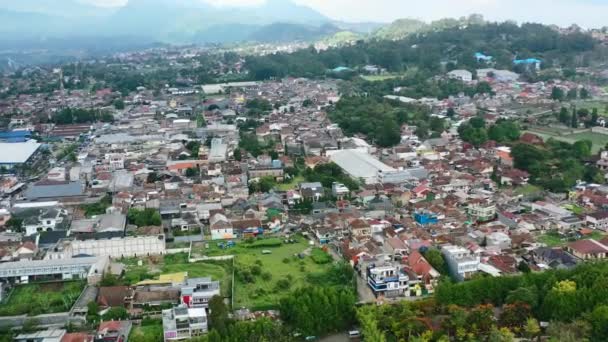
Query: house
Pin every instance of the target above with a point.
(481, 211)
(220, 227)
(427, 275)
(498, 239)
(42, 219)
(312, 191)
(531, 139)
(183, 323)
(51, 335)
(461, 263)
(339, 190)
(114, 222)
(598, 220)
(113, 296)
(588, 249)
(555, 258)
(388, 281)
(197, 292)
(26, 251)
(113, 331)
(360, 228)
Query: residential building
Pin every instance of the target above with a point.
(460, 261)
(588, 249)
(197, 292)
(462, 75)
(113, 331)
(51, 335)
(481, 211)
(598, 220)
(183, 323)
(312, 191)
(220, 227)
(339, 190)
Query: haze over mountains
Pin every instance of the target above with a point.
(171, 21)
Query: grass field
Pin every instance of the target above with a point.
(378, 78)
(145, 333)
(152, 267)
(262, 279)
(552, 239)
(528, 189)
(37, 299)
(599, 140)
(291, 185)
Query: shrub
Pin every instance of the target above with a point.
(320, 257)
(283, 284)
(266, 276)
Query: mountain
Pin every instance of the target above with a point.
(171, 21)
(286, 32)
(400, 28)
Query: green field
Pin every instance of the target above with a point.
(147, 332)
(262, 279)
(378, 78)
(293, 184)
(599, 140)
(528, 189)
(38, 299)
(154, 266)
(552, 239)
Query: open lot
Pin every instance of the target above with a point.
(44, 298)
(599, 140)
(152, 267)
(553, 239)
(267, 269)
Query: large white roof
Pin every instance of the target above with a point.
(17, 153)
(359, 164)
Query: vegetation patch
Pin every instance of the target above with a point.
(38, 299)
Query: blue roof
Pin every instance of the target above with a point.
(480, 55)
(527, 61)
(15, 134)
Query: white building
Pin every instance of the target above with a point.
(460, 74)
(130, 246)
(359, 165)
(218, 151)
(12, 154)
(183, 323)
(461, 263)
(499, 239)
(91, 268)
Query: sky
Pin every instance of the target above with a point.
(585, 13)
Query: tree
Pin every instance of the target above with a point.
(557, 94)
(435, 258)
(14, 224)
(582, 148)
(572, 94)
(218, 315)
(532, 328)
(145, 217)
(191, 172)
(584, 93)
(599, 323)
(238, 156)
(564, 116)
(152, 177)
(119, 104)
(451, 112)
(574, 118)
(523, 267)
(501, 335)
(116, 314)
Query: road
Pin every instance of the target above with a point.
(365, 294)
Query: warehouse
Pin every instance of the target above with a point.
(360, 165)
(12, 154)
